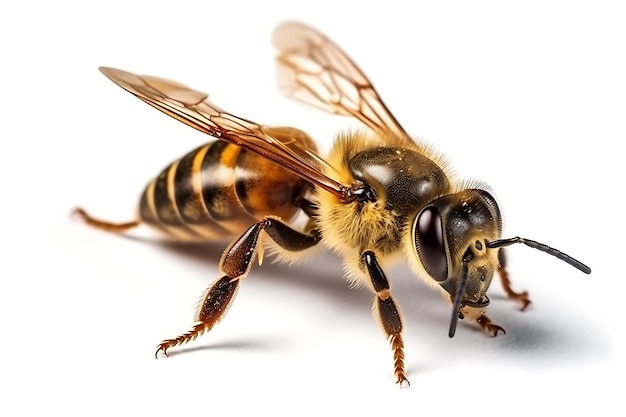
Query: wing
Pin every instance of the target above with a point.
(313, 70)
(194, 109)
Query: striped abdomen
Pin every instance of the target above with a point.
(218, 190)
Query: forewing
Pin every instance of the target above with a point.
(313, 70)
(196, 110)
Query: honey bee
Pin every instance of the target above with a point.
(379, 194)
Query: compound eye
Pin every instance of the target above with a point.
(429, 243)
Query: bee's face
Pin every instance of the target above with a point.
(451, 234)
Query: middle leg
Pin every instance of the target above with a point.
(387, 313)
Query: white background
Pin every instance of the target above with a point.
(529, 98)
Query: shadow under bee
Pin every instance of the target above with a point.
(528, 335)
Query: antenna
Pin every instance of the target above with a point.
(457, 303)
(456, 307)
(544, 248)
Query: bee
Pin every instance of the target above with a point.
(378, 196)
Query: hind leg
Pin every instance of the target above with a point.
(235, 265)
(109, 227)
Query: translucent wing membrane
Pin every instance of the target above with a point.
(196, 110)
(313, 70)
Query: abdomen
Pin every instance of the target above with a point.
(217, 191)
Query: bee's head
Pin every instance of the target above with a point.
(450, 238)
(456, 239)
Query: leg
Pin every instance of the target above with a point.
(387, 313)
(109, 227)
(487, 325)
(478, 315)
(521, 297)
(235, 264)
